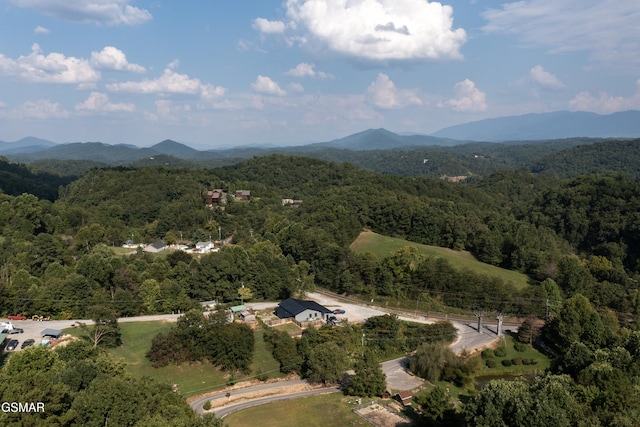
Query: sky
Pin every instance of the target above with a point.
(255, 72)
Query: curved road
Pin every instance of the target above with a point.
(356, 310)
(398, 377)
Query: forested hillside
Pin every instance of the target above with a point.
(581, 230)
(576, 239)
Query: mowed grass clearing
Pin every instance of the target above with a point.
(192, 379)
(383, 246)
(316, 411)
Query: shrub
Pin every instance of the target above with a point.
(506, 362)
(207, 405)
(500, 352)
(533, 361)
(516, 361)
(488, 354)
(520, 347)
(526, 361)
(491, 363)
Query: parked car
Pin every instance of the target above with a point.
(13, 344)
(27, 343)
(16, 317)
(338, 311)
(16, 331)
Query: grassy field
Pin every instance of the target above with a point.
(192, 379)
(382, 246)
(263, 362)
(316, 411)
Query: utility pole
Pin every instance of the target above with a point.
(499, 317)
(479, 314)
(362, 339)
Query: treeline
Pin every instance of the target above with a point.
(81, 385)
(16, 179)
(196, 337)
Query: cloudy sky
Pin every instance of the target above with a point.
(221, 73)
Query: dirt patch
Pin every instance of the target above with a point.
(239, 398)
(380, 416)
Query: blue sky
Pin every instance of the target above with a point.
(223, 73)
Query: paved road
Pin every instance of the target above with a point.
(222, 410)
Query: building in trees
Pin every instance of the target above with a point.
(302, 311)
(242, 195)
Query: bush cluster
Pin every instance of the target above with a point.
(500, 352)
(520, 347)
(488, 354)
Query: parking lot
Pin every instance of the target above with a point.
(33, 329)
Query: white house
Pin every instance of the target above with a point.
(204, 247)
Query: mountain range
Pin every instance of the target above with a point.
(556, 125)
(529, 127)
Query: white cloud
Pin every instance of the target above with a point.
(296, 87)
(267, 86)
(545, 79)
(52, 68)
(99, 102)
(378, 30)
(111, 58)
(605, 103)
(383, 94)
(104, 12)
(40, 30)
(268, 27)
(468, 98)
(170, 83)
(41, 109)
(307, 70)
(608, 29)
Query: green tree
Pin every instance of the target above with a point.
(576, 321)
(369, 380)
(436, 407)
(326, 363)
(430, 360)
(105, 330)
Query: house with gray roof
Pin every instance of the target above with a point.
(302, 311)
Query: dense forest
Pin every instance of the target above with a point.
(579, 234)
(576, 237)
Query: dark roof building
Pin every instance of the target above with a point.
(301, 310)
(53, 333)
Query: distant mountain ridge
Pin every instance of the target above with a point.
(529, 127)
(560, 124)
(382, 139)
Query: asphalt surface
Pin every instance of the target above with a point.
(33, 329)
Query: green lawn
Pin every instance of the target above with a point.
(287, 327)
(544, 361)
(316, 411)
(382, 246)
(192, 379)
(263, 361)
